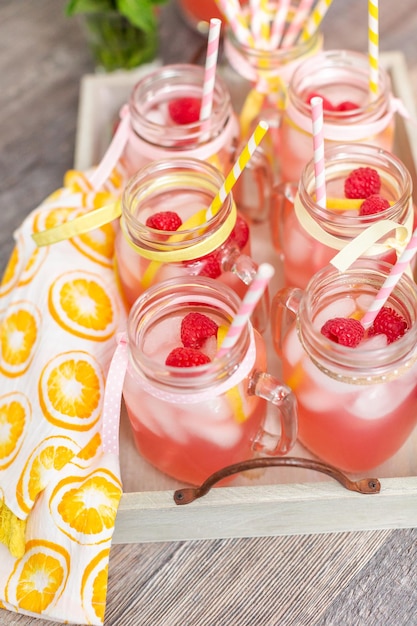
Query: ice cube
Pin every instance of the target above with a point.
(364, 301)
(166, 418)
(373, 343)
(344, 307)
(162, 338)
(157, 116)
(324, 382)
(224, 433)
(293, 349)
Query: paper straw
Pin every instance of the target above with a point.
(316, 18)
(247, 306)
(373, 47)
(210, 68)
(255, 19)
(278, 23)
(391, 280)
(232, 11)
(294, 27)
(318, 145)
(242, 161)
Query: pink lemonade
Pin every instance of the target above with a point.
(341, 78)
(306, 250)
(218, 248)
(165, 107)
(354, 427)
(190, 441)
(356, 391)
(133, 267)
(189, 421)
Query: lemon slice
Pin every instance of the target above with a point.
(232, 394)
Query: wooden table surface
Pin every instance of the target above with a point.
(339, 579)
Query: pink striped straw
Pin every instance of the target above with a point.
(256, 19)
(318, 145)
(278, 23)
(248, 304)
(391, 280)
(210, 68)
(296, 24)
(232, 11)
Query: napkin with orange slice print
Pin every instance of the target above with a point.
(60, 310)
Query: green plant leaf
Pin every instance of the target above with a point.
(74, 7)
(141, 13)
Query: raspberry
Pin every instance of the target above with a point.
(346, 105)
(373, 204)
(362, 183)
(196, 328)
(327, 105)
(208, 266)
(240, 233)
(186, 357)
(164, 220)
(390, 323)
(344, 330)
(185, 110)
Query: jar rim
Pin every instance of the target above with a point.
(186, 77)
(165, 298)
(356, 66)
(336, 159)
(148, 182)
(350, 364)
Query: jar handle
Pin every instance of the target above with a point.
(284, 308)
(265, 386)
(282, 203)
(253, 191)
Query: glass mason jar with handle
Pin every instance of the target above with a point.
(216, 246)
(356, 405)
(190, 421)
(350, 114)
(164, 109)
(308, 236)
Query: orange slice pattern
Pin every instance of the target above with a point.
(15, 414)
(86, 507)
(97, 245)
(44, 219)
(13, 268)
(39, 578)
(19, 332)
(45, 461)
(71, 388)
(79, 303)
(32, 266)
(94, 586)
(89, 451)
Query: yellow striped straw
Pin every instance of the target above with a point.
(242, 161)
(373, 47)
(315, 19)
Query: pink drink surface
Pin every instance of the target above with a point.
(189, 441)
(296, 146)
(132, 266)
(355, 427)
(304, 255)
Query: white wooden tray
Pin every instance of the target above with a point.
(277, 501)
